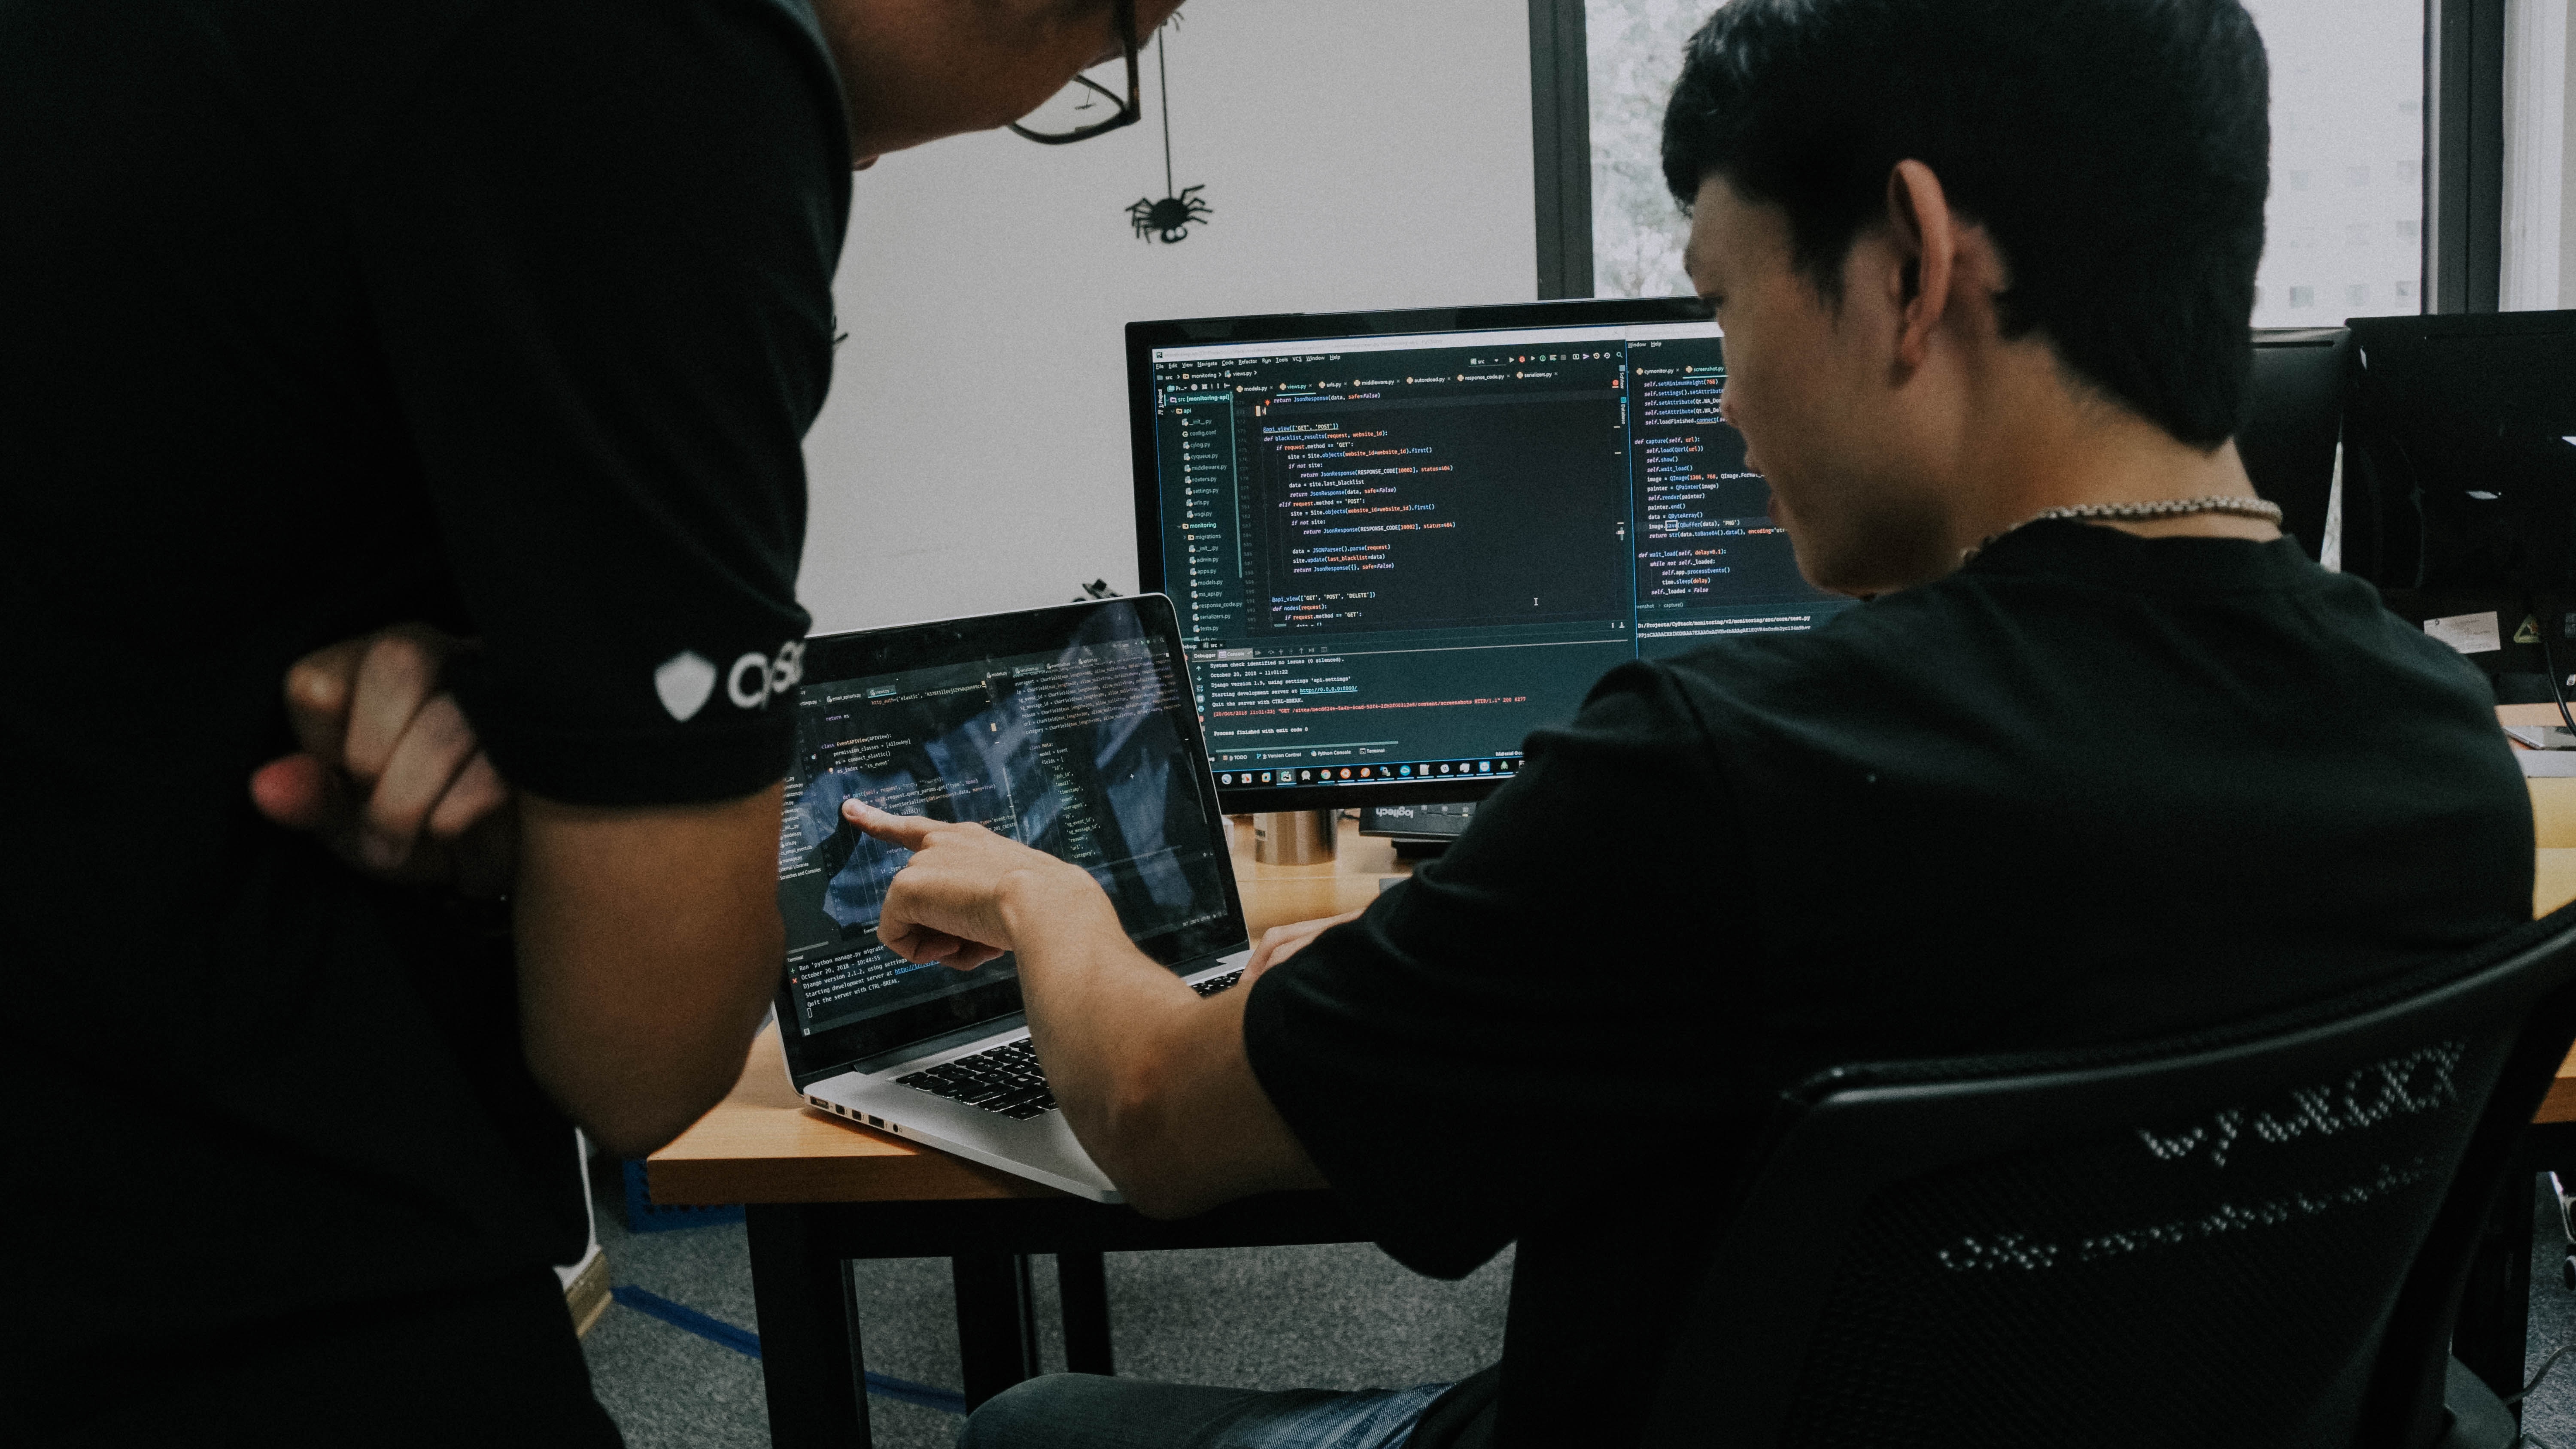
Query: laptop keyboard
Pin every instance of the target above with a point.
(1006, 1079)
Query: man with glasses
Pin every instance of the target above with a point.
(510, 319)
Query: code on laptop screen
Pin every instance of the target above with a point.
(1074, 751)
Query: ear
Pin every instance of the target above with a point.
(1925, 233)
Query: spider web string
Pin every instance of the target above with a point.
(1163, 77)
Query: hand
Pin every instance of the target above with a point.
(952, 902)
(1281, 942)
(391, 778)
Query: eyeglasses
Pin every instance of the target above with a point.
(1130, 111)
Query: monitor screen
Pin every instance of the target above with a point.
(2459, 485)
(1399, 542)
(1064, 729)
(2458, 469)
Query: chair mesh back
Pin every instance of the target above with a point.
(2212, 1279)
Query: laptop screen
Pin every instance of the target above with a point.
(1069, 729)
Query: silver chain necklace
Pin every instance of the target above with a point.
(2261, 508)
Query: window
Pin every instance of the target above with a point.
(2347, 159)
(2346, 215)
(1633, 53)
(2538, 251)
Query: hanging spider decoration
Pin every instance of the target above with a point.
(1169, 217)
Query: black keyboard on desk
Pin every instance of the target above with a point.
(1007, 1079)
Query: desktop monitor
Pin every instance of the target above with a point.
(1398, 542)
(2459, 478)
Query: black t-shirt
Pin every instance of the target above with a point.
(318, 317)
(2089, 788)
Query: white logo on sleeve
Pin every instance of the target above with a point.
(684, 681)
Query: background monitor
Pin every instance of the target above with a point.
(1397, 542)
(2459, 478)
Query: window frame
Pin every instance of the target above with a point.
(2463, 155)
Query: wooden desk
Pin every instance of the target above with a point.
(2553, 883)
(819, 1192)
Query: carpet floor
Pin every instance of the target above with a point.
(1329, 1317)
(1342, 1316)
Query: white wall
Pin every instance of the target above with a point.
(974, 452)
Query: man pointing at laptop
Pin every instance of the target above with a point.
(2073, 776)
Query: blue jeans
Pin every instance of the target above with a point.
(1086, 1411)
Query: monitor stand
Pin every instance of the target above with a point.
(1294, 837)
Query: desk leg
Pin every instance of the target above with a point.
(1082, 1281)
(997, 1326)
(807, 1300)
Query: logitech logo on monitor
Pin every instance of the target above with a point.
(687, 680)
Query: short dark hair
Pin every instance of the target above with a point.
(2118, 151)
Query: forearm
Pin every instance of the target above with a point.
(1104, 1015)
(649, 941)
(1154, 1081)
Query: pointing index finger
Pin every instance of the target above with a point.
(317, 698)
(908, 831)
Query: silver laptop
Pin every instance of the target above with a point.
(1069, 729)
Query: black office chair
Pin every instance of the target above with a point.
(2253, 1236)
(2293, 421)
